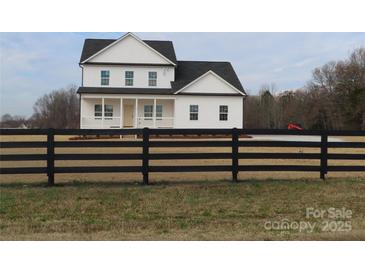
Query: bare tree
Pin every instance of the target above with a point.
(59, 109)
(333, 99)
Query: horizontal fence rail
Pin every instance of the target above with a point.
(146, 141)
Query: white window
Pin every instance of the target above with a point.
(129, 75)
(105, 75)
(223, 113)
(194, 112)
(148, 112)
(98, 112)
(108, 112)
(158, 112)
(152, 78)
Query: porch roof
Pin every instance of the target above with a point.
(110, 90)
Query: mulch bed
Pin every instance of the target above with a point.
(103, 137)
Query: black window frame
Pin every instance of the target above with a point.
(194, 113)
(223, 112)
(104, 77)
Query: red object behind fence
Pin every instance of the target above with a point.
(294, 126)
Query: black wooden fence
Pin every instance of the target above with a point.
(234, 143)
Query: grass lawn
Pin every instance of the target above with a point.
(205, 210)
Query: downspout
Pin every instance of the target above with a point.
(82, 84)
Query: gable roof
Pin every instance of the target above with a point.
(188, 71)
(217, 77)
(93, 46)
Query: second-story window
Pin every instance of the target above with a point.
(105, 75)
(152, 78)
(129, 75)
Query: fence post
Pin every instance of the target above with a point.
(324, 152)
(235, 137)
(50, 156)
(145, 154)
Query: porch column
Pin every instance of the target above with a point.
(174, 114)
(121, 113)
(81, 107)
(102, 112)
(136, 114)
(154, 113)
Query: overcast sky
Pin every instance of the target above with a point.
(33, 64)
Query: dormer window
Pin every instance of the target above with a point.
(152, 78)
(129, 75)
(105, 75)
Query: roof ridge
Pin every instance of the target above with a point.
(99, 39)
(197, 61)
(157, 40)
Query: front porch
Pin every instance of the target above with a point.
(106, 112)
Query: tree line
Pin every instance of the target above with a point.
(58, 109)
(333, 99)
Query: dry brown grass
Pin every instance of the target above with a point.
(113, 207)
(205, 210)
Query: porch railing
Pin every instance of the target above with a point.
(99, 122)
(155, 122)
(95, 122)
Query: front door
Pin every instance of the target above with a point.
(128, 115)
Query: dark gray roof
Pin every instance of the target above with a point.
(108, 90)
(92, 46)
(166, 48)
(188, 71)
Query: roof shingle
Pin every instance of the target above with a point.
(188, 71)
(92, 46)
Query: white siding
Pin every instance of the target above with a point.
(92, 76)
(209, 84)
(208, 111)
(208, 108)
(129, 50)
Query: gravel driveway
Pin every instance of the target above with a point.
(294, 138)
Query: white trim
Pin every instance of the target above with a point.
(136, 113)
(214, 74)
(102, 111)
(154, 112)
(120, 39)
(121, 112)
(128, 96)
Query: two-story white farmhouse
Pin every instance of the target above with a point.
(134, 83)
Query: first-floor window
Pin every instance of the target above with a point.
(194, 112)
(98, 112)
(159, 112)
(108, 112)
(223, 113)
(148, 112)
(105, 75)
